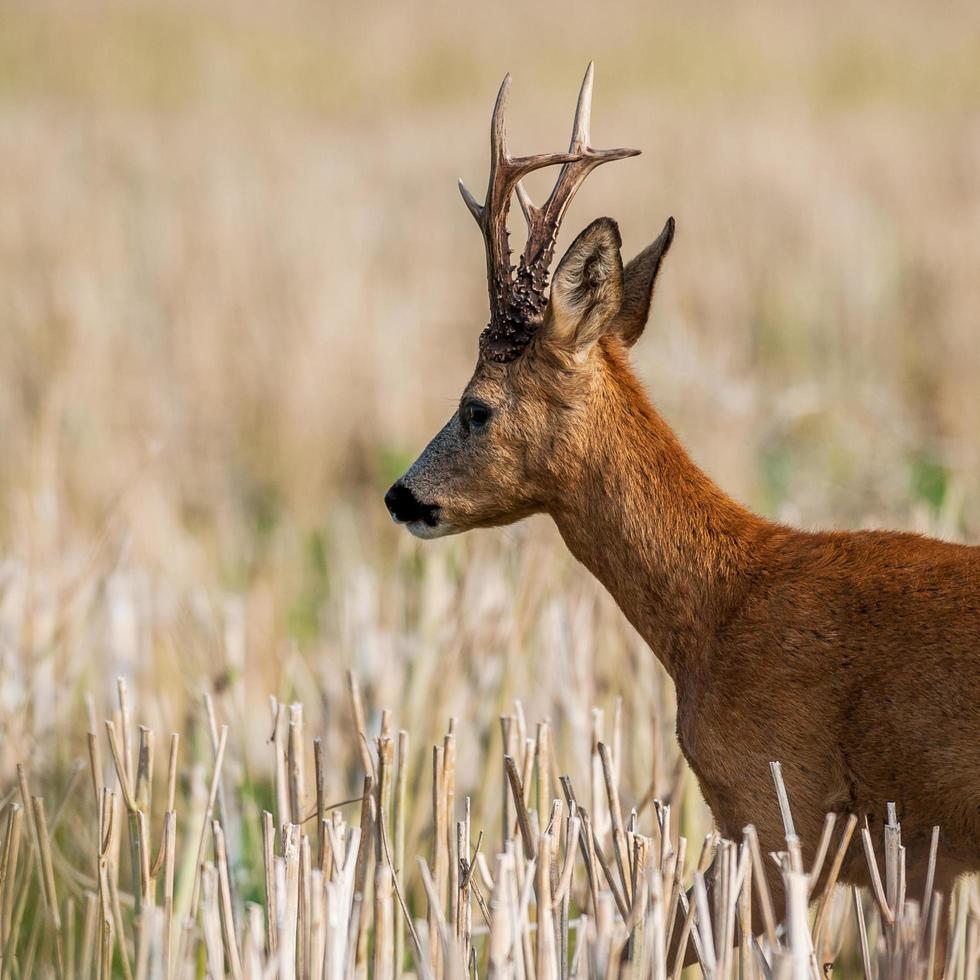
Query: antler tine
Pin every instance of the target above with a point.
(470, 201)
(583, 112)
(498, 153)
(580, 136)
(579, 144)
(544, 222)
(524, 199)
(498, 132)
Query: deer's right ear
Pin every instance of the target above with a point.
(639, 277)
(587, 288)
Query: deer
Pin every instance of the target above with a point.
(851, 657)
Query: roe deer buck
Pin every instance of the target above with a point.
(851, 657)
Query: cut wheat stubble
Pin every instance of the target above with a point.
(560, 894)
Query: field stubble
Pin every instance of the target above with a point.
(238, 291)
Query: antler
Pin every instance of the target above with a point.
(517, 302)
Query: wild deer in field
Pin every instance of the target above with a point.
(851, 657)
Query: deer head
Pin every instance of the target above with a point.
(513, 446)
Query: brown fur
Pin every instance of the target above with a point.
(853, 658)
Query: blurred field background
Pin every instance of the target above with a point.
(238, 292)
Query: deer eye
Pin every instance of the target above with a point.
(474, 415)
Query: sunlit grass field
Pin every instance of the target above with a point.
(238, 292)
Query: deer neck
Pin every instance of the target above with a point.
(667, 543)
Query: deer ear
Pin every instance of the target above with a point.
(587, 287)
(639, 278)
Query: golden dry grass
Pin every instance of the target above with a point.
(238, 292)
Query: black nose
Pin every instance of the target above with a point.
(405, 507)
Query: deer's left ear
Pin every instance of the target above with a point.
(639, 278)
(587, 287)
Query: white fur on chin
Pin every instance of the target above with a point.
(425, 531)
